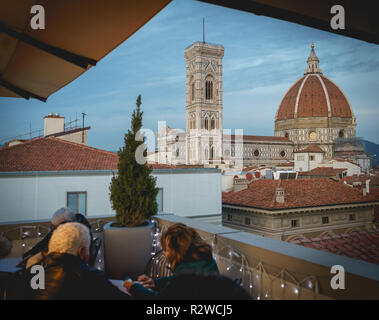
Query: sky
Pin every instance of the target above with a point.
(263, 57)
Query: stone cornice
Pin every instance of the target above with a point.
(286, 211)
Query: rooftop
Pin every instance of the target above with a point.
(53, 154)
(362, 245)
(323, 171)
(299, 193)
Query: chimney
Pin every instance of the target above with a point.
(53, 123)
(240, 184)
(279, 195)
(368, 186)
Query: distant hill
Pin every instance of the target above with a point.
(372, 149)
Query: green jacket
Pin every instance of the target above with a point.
(139, 291)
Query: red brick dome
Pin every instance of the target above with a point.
(314, 95)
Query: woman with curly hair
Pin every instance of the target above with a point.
(185, 251)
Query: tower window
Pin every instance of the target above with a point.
(213, 124)
(212, 153)
(282, 153)
(208, 89)
(206, 124)
(193, 91)
(256, 152)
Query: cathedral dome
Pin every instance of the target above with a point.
(314, 95)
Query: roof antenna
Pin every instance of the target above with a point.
(203, 30)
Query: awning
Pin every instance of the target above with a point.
(361, 17)
(77, 34)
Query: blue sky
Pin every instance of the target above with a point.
(263, 58)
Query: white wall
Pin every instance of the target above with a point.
(25, 198)
(306, 164)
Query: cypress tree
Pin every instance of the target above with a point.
(132, 191)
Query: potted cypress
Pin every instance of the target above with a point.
(128, 242)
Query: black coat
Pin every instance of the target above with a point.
(68, 277)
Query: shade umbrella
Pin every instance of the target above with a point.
(77, 34)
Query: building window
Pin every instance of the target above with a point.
(247, 220)
(256, 152)
(312, 158)
(177, 153)
(282, 153)
(325, 220)
(300, 158)
(206, 124)
(294, 223)
(230, 217)
(160, 199)
(193, 91)
(208, 89)
(213, 124)
(351, 217)
(77, 202)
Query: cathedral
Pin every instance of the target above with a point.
(314, 111)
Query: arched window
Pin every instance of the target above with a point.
(208, 88)
(341, 134)
(213, 123)
(193, 91)
(212, 153)
(206, 123)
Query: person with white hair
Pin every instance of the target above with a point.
(35, 254)
(67, 274)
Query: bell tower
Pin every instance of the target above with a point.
(203, 102)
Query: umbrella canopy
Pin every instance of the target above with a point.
(77, 34)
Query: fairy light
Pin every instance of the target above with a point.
(258, 298)
(296, 291)
(282, 285)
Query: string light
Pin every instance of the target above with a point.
(156, 246)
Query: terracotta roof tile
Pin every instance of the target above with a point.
(52, 154)
(322, 171)
(355, 245)
(312, 100)
(299, 193)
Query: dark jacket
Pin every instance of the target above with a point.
(68, 277)
(139, 291)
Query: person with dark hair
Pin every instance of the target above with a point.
(202, 286)
(185, 251)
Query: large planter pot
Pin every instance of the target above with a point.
(127, 250)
